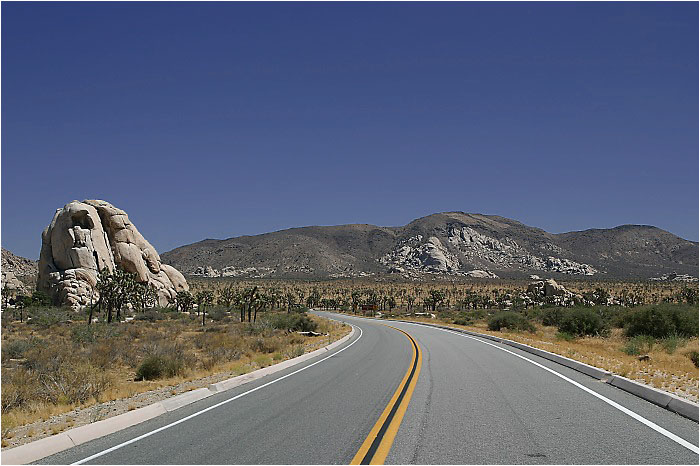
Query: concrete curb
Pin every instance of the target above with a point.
(33, 451)
(661, 398)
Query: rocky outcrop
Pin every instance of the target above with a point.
(481, 274)
(550, 290)
(544, 288)
(415, 255)
(85, 237)
(18, 273)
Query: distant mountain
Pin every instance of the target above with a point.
(448, 244)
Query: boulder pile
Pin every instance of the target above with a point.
(86, 237)
(542, 290)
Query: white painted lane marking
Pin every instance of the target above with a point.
(629, 412)
(160, 429)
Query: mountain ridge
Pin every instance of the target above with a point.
(446, 243)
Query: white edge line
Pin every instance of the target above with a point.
(629, 412)
(148, 434)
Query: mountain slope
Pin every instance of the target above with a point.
(18, 272)
(449, 243)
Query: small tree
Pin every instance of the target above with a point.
(226, 296)
(184, 301)
(204, 298)
(117, 289)
(145, 296)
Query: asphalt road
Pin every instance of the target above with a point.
(474, 403)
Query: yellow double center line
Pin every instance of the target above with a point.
(376, 446)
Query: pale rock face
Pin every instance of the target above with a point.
(85, 237)
(481, 274)
(10, 281)
(430, 256)
(547, 288)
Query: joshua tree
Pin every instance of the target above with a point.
(356, 300)
(184, 301)
(145, 296)
(117, 289)
(204, 298)
(409, 301)
(227, 296)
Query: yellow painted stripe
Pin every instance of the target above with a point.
(390, 433)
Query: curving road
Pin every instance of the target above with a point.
(474, 402)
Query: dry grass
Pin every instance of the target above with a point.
(671, 372)
(62, 367)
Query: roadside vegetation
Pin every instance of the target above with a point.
(56, 359)
(647, 331)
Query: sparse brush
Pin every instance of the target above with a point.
(295, 351)
(641, 344)
(565, 336)
(672, 342)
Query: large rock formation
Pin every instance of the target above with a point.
(85, 237)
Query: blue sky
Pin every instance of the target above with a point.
(223, 119)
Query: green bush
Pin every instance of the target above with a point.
(551, 316)
(15, 349)
(510, 320)
(46, 317)
(581, 321)
(661, 321)
(149, 316)
(638, 345)
(693, 355)
(293, 322)
(218, 314)
(156, 366)
(672, 342)
(564, 336)
(85, 334)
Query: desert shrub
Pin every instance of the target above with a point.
(105, 354)
(551, 316)
(255, 328)
(218, 314)
(660, 321)
(693, 355)
(150, 316)
(219, 346)
(86, 334)
(157, 366)
(45, 317)
(510, 320)
(581, 321)
(564, 336)
(15, 349)
(75, 383)
(462, 321)
(150, 369)
(672, 342)
(295, 351)
(292, 322)
(266, 345)
(164, 357)
(639, 344)
(610, 315)
(17, 388)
